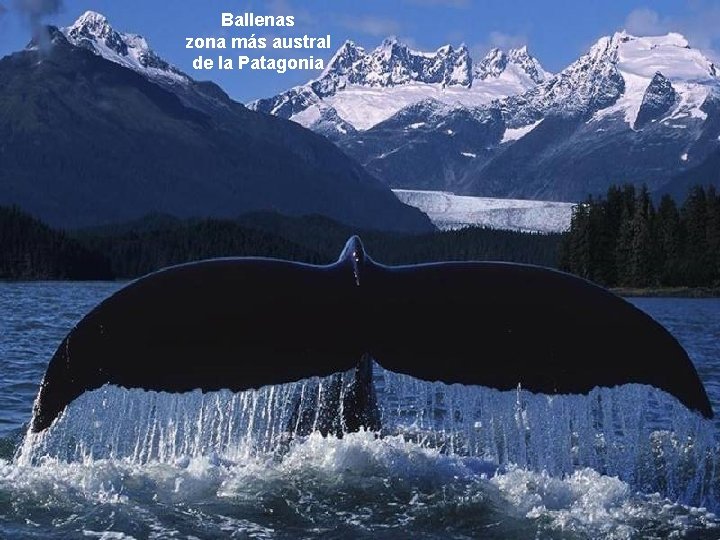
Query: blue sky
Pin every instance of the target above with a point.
(556, 31)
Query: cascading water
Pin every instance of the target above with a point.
(636, 433)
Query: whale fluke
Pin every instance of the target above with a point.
(242, 323)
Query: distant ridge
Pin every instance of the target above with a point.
(99, 129)
(631, 109)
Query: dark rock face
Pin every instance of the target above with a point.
(659, 98)
(428, 145)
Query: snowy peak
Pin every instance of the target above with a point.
(614, 76)
(344, 59)
(624, 60)
(492, 65)
(516, 62)
(94, 27)
(659, 73)
(592, 82)
(589, 84)
(93, 32)
(669, 54)
(455, 66)
(394, 63)
(529, 64)
(366, 87)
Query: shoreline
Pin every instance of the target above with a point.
(667, 292)
(625, 292)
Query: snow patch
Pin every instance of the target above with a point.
(308, 117)
(514, 134)
(365, 107)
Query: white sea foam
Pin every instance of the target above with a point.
(359, 483)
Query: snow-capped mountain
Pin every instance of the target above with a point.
(364, 88)
(588, 84)
(92, 31)
(516, 62)
(100, 129)
(639, 59)
(632, 109)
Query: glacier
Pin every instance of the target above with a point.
(448, 211)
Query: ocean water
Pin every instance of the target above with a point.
(452, 461)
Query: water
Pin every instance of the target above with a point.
(453, 461)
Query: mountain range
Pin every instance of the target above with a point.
(365, 88)
(96, 128)
(642, 110)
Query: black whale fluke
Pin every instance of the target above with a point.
(247, 322)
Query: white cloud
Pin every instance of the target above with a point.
(700, 24)
(507, 41)
(645, 22)
(411, 42)
(373, 26)
(500, 40)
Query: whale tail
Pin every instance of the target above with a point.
(245, 323)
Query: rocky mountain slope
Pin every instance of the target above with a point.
(97, 128)
(632, 109)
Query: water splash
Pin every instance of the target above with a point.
(142, 427)
(635, 433)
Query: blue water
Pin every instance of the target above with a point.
(360, 486)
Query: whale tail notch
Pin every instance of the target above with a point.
(244, 323)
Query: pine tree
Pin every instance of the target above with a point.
(638, 272)
(667, 233)
(695, 260)
(712, 234)
(623, 249)
(575, 257)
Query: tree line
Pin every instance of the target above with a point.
(31, 250)
(625, 239)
